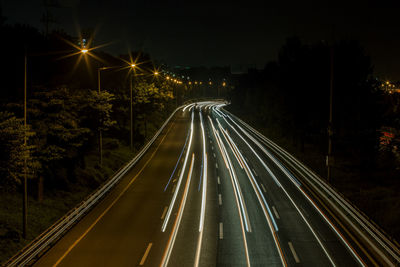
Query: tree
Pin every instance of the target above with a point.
(14, 151)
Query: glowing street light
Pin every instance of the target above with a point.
(84, 51)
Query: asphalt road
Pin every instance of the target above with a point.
(204, 195)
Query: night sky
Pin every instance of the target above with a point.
(224, 33)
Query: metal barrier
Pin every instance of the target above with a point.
(39, 244)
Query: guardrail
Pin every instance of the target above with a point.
(358, 221)
(44, 240)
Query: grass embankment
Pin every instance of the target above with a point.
(55, 204)
(375, 191)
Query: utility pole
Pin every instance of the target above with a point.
(25, 193)
(329, 158)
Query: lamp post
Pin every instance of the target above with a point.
(131, 105)
(99, 90)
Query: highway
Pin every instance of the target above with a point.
(207, 193)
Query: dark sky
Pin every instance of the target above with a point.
(225, 32)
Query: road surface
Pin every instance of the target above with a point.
(206, 194)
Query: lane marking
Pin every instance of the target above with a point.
(216, 165)
(146, 254)
(296, 258)
(276, 212)
(263, 188)
(214, 155)
(112, 203)
(221, 231)
(212, 147)
(220, 199)
(254, 171)
(219, 181)
(173, 189)
(165, 211)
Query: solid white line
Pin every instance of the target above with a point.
(165, 211)
(263, 188)
(146, 254)
(219, 181)
(276, 212)
(221, 231)
(296, 258)
(220, 199)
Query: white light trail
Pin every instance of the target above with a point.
(236, 183)
(171, 241)
(171, 206)
(223, 151)
(204, 195)
(298, 210)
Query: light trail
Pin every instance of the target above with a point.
(177, 162)
(188, 106)
(279, 164)
(261, 199)
(171, 206)
(172, 238)
(256, 154)
(335, 230)
(344, 204)
(300, 213)
(204, 195)
(236, 184)
(223, 151)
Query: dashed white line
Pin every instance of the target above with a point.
(263, 188)
(212, 147)
(173, 189)
(296, 258)
(276, 212)
(165, 211)
(254, 171)
(146, 253)
(221, 231)
(214, 155)
(220, 199)
(219, 181)
(216, 165)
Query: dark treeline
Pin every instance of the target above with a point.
(65, 111)
(289, 101)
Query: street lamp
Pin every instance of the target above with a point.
(99, 89)
(131, 105)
